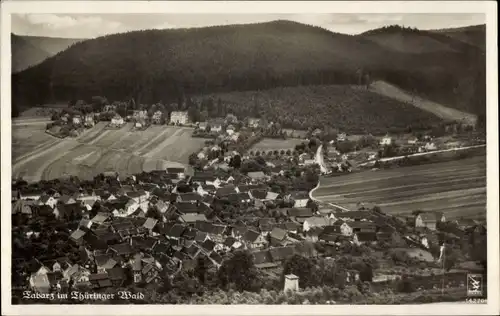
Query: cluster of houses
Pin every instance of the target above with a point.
(146, 229)
(142, 120)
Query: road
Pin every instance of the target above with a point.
(321, 162)
(420, 154)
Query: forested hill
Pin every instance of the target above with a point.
(156, 65)
(28, 51)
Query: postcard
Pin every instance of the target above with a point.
(282, 158)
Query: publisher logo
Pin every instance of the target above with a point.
(474, 285)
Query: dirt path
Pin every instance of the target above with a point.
(388, 90)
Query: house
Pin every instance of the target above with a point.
(179, 117)
(77, 236)
(230, 130)
(22, 207)
(117, 276)
(100, 280)
(315, 221)
(191, 197)
(109, 108)
(117, 120)
(225, 191)
(89, 120)
(257, 176)
(429, 220)
(77, 119)
(339, 227)
(203, 126)
(216, 125)
(180, 172)
(157, 117)
(30, 195)
(364, 238)
(239, 198)
(253, 123)
(254, 239)
(66, 199)
(412, 141)
(386, 141)
(39, 280)
(192, 218)
(280, 254)
(299, 214)
(464, 223)
(430, 146)
(300, 199)
(140, 123)
(278, 237)
(341, 137)
(104, 263)
(47, 200)
(215, 232)
(139, 196)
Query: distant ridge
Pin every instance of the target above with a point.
(28, 51)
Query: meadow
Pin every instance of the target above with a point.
(39, 156)
(267, 144)
(457, 188)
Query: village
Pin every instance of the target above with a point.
(148, 229)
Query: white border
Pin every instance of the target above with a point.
(487, 7)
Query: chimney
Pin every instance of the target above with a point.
(291, 283)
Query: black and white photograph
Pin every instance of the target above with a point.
(250, 157)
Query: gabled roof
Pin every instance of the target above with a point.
(190, 197)
(229, 241)
(192, 217)
(175, 170)
(260, 257)
(289, 226)
(225, 191)
(355, 214)
(116, 274)
(256, 175)
(251, 236)
(278, 234)
(77, 234)
(315, 221)
(299, 212)
(122, 249)
(238, 197)
(100, 218)
(150, 223)
(216, 257)
(176, 230)
(300, 195)
(208, 245)
(281, 253)
(105, 261)
(429, 217)
(366, 236)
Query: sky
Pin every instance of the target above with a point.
(95, 25)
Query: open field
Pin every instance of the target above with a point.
(457, 188)
(276, 144)
(38, 156)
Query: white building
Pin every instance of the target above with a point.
(387, 140)
(117, 120)
(179, 117)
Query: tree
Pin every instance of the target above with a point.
(303, 268)
(239, 270)
(236, 162)
(201, 269)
